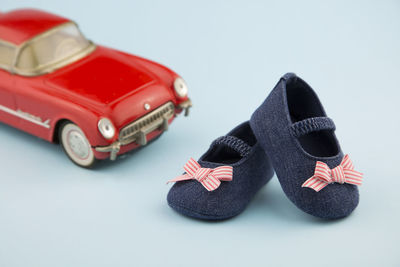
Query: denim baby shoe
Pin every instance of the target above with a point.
(224, 180)
(292, 127)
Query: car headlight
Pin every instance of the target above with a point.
(106, 128)
(180, 87)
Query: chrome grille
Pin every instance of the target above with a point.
(148, 122)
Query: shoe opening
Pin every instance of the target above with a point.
(303, 103)
(228, 153)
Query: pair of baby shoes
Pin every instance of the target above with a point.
(289, 133)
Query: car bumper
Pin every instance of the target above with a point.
(137, 131)
(185, 106)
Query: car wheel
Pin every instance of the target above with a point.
(76, 145)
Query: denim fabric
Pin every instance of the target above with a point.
(251, 171)
(292, 127)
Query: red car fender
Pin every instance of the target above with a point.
(36, 99)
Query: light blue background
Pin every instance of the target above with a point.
(231, 54)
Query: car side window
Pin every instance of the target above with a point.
(7, 55)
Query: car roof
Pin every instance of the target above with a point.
(21, 25)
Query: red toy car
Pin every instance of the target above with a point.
(97, 102)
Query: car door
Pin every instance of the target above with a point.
(8, 112)
(34, 105)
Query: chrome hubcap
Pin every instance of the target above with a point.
(78, 144)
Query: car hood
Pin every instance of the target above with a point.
(104, 76)
(111, 84)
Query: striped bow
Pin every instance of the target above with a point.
(344, 173)
(209, 178)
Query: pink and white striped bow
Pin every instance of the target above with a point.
(323, 175)
(209, 178)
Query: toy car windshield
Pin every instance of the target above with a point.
(52, 49)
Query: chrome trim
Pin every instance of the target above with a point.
(113, 149)
(180, 87)
(27, 116)
(137, 130)
(103, 131)
(186, 105)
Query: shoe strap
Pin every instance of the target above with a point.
(309, 125)
(234, 143)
